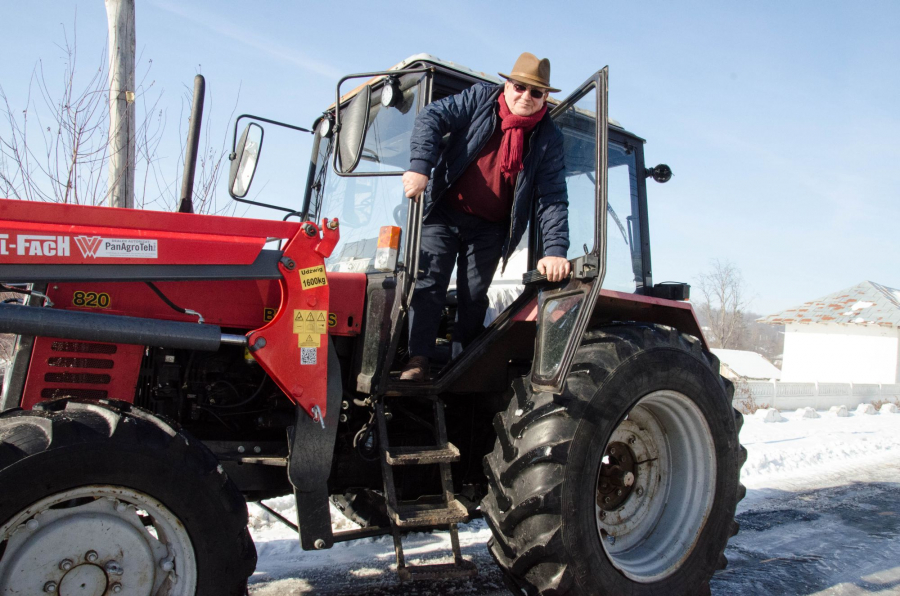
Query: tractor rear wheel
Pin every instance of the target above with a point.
(627, 482)
(105, 498)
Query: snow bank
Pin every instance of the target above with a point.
(866, 409)
(768, 415)
(807, 448)
(807, 412)
(839, 411)
(889, 409)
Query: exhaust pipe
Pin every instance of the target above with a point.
(89, 326)
(190, 152)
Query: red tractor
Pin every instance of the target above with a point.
(170, 367)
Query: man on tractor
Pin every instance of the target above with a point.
(504, 152)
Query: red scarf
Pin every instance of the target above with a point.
(514, 129)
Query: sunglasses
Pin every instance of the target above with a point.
(535, 93)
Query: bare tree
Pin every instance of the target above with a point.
(56, 147)
(724, 303)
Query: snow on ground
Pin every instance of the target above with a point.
(806, 450)
(798, 456)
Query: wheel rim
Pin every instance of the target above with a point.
(97, 541)
(655, 486)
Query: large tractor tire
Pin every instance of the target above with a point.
(627, 482)
(105, 498)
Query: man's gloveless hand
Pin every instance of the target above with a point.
(414, 184)
(555, 268)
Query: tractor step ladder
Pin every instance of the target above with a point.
(427, 512)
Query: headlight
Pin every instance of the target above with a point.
(390, 93)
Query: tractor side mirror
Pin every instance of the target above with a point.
(244, 160)
(350, 136)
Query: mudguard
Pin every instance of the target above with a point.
(309, 464)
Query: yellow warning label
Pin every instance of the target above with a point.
(313, 277)
(310, 321)
(309, 340)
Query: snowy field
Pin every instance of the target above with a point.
(821, 517)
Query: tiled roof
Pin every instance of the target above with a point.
(867, 303)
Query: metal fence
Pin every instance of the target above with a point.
(821, 396)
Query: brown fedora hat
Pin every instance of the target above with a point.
(531, 71)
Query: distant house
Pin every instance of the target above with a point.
(744, 365)
(851, 336)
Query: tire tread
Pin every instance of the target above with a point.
(525, 469)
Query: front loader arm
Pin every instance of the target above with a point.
(293, 346)
(49, 243)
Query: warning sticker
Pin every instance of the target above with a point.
(308, 355)
(313, 277)
(310, 321)
(309, 340)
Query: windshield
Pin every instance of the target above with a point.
(623, 240)
(363, 205)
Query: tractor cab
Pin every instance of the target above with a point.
(359, 153)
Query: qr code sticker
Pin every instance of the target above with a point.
(307, 355)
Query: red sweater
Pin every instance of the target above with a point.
(483, 190)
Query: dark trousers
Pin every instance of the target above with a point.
(451, 237)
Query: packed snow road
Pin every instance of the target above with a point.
(821, 517)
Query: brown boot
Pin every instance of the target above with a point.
(415, 370)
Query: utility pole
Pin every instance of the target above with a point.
(120, 17)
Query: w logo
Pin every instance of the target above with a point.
(88, 245)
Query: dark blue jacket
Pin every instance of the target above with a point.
(470, 118)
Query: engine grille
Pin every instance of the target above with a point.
(71, 377)
(63, 368)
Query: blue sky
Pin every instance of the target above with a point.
(780, 120)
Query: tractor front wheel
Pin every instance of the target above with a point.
(627, 482)
(103, 498)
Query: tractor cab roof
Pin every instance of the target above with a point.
(448, 65)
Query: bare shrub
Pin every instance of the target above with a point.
(743, 397)
(881, 402)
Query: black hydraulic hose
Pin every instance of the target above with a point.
(89, 326)
(172, 305)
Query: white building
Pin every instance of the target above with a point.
(851, 336)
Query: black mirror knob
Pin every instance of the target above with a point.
(661, 173)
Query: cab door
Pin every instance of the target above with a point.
(564, 309)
